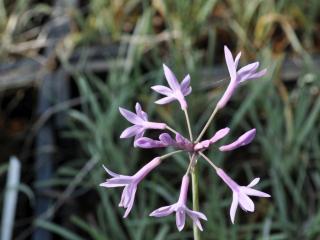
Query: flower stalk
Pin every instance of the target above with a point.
(169, 154)
(195, 198)
(172, 130)
(194, 179)
(188, 124)
(213, 114)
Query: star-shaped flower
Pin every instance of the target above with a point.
(236, 77)
(241, 193)
(181, 209)
(176, 91)
(129, 183)
(140, 121)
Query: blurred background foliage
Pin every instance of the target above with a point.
(112, 53)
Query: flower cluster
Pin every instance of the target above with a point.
(178, 91)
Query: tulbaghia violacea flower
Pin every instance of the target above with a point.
(195, 149)
(181, 209)
(165, 140)
(140, 121)
(176, 91)
(216, 137)
(241, 193)
(243, 140)
(236, 77)
(129, 183)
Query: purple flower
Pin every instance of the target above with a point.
(165, 140)
(140, 121)
(236, 77)
(243, 140)
(176, 91)
(241, 193)
(216, 137)
(181, 209)
(129, 183)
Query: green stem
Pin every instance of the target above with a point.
(209, 161)
(195, 180)
(169, 154)
(171, 129)
(195, 199)
(188, 124)
(207, 124)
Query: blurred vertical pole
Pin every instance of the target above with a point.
(10, 199)
(54, 89)
(44, 155)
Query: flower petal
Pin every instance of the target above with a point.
(180, 219)
(112, 174)
(162, 212)
(198, 223)
(131, 131)
(234, 205)
(245, 72)
(194, 215)
(249, 68)
(171, 78)
(127, 194)
(109, 185)
(236, 61)
(245, 202)
(164, 100)
(254, 182)
(140, 112)
(123, 180)
(256, 75)
(186, 91)
(230, 63)
(185, 84)
(130, 116)
(130, 203)
(124, 196)
(139, 134)
(254, 192)
(162, 90)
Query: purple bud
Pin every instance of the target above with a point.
(243, 140)
(145, 142)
